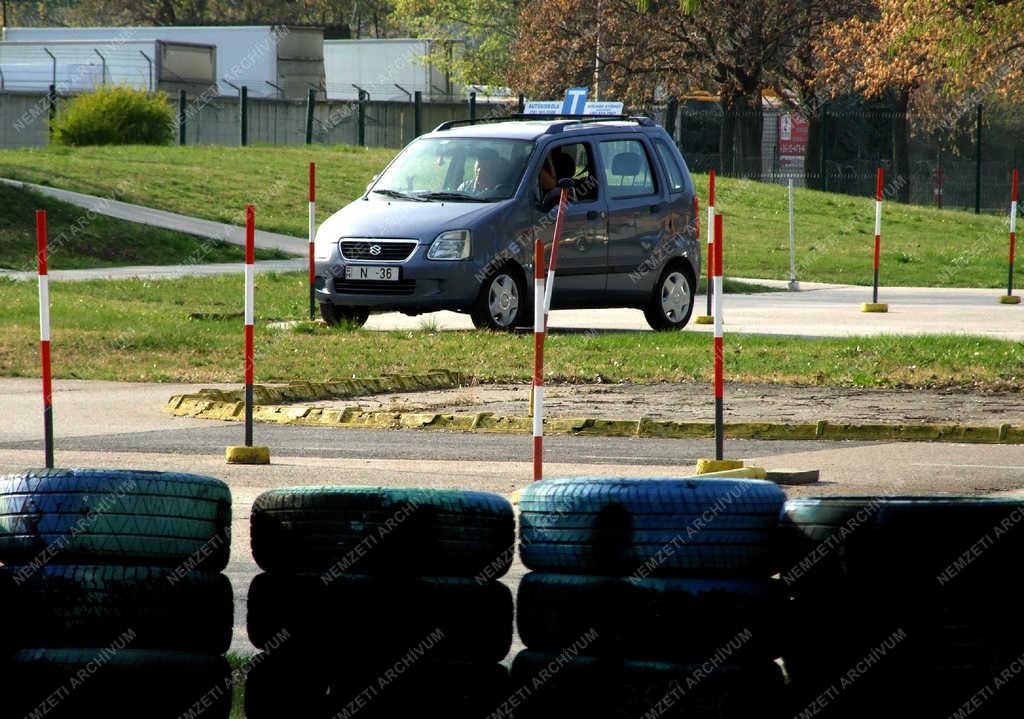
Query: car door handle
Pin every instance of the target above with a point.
(594, 215)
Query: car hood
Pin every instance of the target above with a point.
(401, 219)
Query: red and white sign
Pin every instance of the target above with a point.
(793, 132)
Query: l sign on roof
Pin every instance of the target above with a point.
(575, 102)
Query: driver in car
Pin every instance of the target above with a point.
(487, 174)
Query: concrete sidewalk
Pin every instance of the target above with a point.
(169, 220)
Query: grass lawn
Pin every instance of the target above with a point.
(140, 330)
(80, 240)
(834, 236)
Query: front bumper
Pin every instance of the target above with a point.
(423, 286)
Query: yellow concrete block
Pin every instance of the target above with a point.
(874, 307)
(704, 320)
(247, 455)
(741, 473)
(707, 466)
(1009, 300)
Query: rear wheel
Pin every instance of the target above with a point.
(502, 302)
(671, 302)
(336, 316)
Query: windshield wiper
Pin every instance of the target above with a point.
(461, 196)
(400, 195)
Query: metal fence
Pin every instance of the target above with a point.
(966, 165)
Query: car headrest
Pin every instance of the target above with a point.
(626, 164)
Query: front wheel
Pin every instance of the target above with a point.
(502, 302)
(671, 302)
(335, 316)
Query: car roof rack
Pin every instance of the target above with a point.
(570, 120)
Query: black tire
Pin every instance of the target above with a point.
(917, 543)
(335, 316)
(650, 527)
(94, 516)
(393, 614)
(288, 684)
(84, 606)
(115, 683)
(503, 287)
(675, 286)
(672, 619)
(554, 685)
(367, 530)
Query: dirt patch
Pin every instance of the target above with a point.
(693, 402)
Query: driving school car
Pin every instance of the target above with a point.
(450, 224)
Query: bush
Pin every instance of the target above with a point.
(115, 115)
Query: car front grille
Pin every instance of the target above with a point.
(374, 287)
(370, 250)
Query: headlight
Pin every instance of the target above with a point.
(453, 245)
(323, 246)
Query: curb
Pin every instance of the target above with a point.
(215, 400)
(209, 405)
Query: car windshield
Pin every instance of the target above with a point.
(456, 169)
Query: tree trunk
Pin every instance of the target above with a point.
(740, 139)
(901, 147)
(812, 158)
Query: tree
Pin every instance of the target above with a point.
(473, 35)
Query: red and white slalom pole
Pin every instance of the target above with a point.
(1013, 234)
(556, 239)
(878, 231)
(538, 362)
(250, 307)
(44, 335)
(312, 240)
(719, 357)
(711, 233)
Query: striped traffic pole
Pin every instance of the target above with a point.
(708, 318)
(44, 335)
(1010, 298)
(874, 305)
(249, 454)
(250, 311)
(538, 362)
(719, 359)
(312, 239)
(556, 239)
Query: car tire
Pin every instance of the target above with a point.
(317, 611)
(88, 605)
(650, 527)
(671, 301)
(670, 619)
(95, 516)
(501, 305)
(115, 682)
(336, 316)
(367, 530)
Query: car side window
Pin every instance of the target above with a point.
(676, 183)
(627, 169)
(574, 161)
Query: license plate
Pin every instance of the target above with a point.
(379, 273)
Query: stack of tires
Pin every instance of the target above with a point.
(903, 606)
(113, 596)
(648, 596)
(383, 602)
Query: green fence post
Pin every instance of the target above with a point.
(823, 168)
(310, 106)
(417, 115)
(472, 106)
(977, 166)
(182, 117)
(361, 124)
(522, 104)
(52, 97)
(243, 109)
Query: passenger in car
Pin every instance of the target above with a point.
(556, 166)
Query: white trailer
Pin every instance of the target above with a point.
(386, 69)
(78, 66)
(271, 60)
